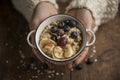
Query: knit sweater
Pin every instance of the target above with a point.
(102, 10)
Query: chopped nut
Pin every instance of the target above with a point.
(94, 51)
(20, 51)
(41, 73)
(57, 73)
(35, 68)
(53, 71)
(49, 76)
(33, 76)
(6, 44)
(36, 76)
(52, 75)
(96, 60)
(38, 71)
(62, 74)
(49, 71)
(6, 61)
(18, 67)
(19, 76)
(71, 69)
(21, 61)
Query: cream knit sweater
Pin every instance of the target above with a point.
(102, 10)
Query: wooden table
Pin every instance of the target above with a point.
(15, 52)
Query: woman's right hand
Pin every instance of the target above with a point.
(43, 10)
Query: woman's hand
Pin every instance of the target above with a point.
(42, 11)
(85, 16)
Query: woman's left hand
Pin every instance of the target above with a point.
(85, 16)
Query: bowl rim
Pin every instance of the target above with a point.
(72, 57)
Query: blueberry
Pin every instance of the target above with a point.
(72, 23)
(66, 28)
(67, 22)
(61, 25)
(54, 29)
(90, 61)
(73, 35)
(79, 67)
(54, 38)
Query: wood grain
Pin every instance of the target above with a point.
(14, 51)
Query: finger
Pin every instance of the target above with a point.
(70, 66)
(81, 56)
(40, 13)
(36, 19)
(72, 12)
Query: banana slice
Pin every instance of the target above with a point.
(48, 48)
(44, 42)
(58, 53)
(68, 51)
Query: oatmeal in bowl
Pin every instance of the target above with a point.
(60, 39)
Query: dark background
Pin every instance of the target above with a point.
(17, 61)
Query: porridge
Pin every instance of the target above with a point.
(61, 39)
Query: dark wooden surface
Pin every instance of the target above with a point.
(15, 52)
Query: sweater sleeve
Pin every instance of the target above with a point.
(26, 7)
(102, 10)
